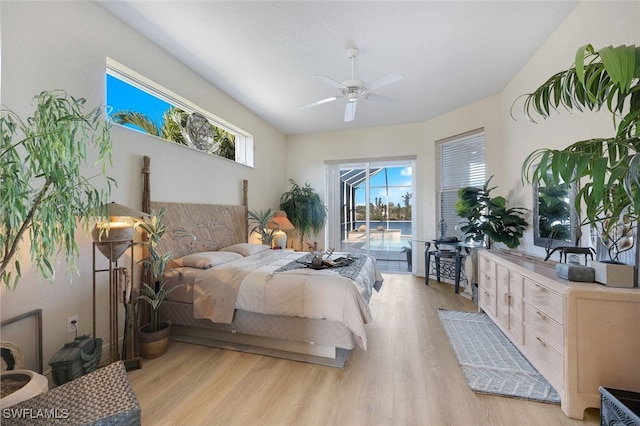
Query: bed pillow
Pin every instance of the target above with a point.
(206, 259)
(246, 249)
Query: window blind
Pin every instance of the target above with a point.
(460, 162)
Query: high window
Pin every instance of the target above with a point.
(141, 104)
(460, 162)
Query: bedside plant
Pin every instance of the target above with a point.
(261, 221)
(154, 337)
(304, 209)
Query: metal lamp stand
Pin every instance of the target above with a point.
(130, 353)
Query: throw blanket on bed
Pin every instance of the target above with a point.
(319, 294)
(350, 271)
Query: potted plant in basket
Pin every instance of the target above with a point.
(488, 218)
(154, 336)
(607, 168)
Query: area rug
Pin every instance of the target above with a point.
(342, 355)
(490, 362)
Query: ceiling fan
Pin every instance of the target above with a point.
(354, 89)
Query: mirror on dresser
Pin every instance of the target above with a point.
(554, 215)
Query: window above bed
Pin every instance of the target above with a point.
(138, 103)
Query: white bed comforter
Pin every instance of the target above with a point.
(250, 284)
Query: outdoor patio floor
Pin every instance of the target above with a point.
(388, 261)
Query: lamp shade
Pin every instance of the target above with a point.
(280, 221)
(113, 238)
(115, 210)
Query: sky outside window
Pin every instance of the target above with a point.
(122, 96)
(399, 183)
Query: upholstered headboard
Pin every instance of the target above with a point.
(194, 228)
(201, 227)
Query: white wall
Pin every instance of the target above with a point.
(507, 141)
(64, 45)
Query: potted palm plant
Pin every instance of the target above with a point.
(40, 169)
(154, 336)
(488, 219)
(607, 168)
(408, 252)
(304, 209)
(261, 221)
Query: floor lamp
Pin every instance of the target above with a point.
(113, 239)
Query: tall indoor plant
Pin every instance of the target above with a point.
(44, 193)
(304, 209)
(489, 218)
(154, 337)
(606, 168)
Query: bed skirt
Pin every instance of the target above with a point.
(303, 335)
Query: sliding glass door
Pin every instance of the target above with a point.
(373, 201)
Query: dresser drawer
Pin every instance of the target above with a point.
(487, 267)
(543, 298)
(487, 300)
(544, 326)
(546, 358)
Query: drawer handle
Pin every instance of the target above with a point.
(542, 342)
(540, 288)
(541, 315)
(507, 299)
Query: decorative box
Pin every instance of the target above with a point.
(76, 359)
(574, 272)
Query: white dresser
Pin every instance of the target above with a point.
(578, 335)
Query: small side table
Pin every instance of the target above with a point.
(452, 257)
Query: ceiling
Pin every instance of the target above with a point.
(265, 54)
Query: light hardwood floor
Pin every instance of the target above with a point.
(408, 376)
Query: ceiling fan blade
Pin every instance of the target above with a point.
(331, 82)
(350, 112)
(384, 80)
(384, 100)
(320, 102)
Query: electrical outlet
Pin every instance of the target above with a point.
(72, 324)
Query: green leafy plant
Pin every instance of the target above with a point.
(489, 216)
(607, 167)
(261, 221)
(154, 266)
(407, 250)
(43, 193)
(304, 209)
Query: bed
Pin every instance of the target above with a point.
(237, 292)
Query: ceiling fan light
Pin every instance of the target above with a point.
(352, 96)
